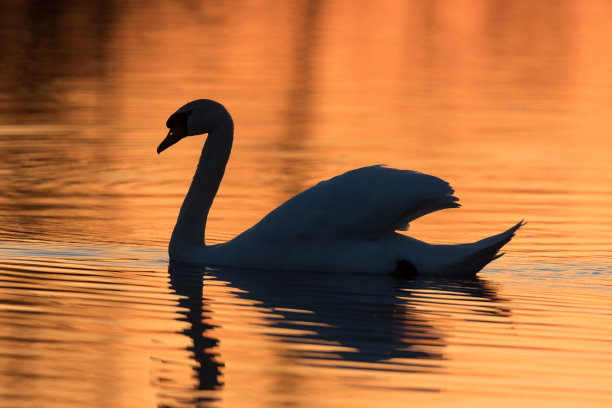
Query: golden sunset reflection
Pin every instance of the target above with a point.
(508, 101)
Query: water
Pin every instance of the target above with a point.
(509, 102)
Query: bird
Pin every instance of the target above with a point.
(347, 224)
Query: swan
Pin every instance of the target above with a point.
(345, 224)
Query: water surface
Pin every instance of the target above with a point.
(507, 101)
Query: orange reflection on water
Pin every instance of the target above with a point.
(512, 113)
(507, 101)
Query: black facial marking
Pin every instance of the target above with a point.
(180, 117)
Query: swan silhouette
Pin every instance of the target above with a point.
(345, 224)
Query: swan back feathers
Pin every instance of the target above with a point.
(360, 204)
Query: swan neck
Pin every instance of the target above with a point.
(191, 224)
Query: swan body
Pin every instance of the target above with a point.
(344, 224)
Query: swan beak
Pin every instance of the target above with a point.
(172, 137)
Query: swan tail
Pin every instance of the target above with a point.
(485, 251)
(416, 257)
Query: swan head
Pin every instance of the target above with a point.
(195, 118)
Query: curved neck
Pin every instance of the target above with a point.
(191, 224)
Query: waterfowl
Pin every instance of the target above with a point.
(345, 224)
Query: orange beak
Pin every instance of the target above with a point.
(174, 135)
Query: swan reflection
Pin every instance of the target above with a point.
(358, 321)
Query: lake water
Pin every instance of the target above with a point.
(508, 101)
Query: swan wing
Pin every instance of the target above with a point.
(361, 204)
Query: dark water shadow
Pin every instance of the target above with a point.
(371, 320)
(188, 284)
